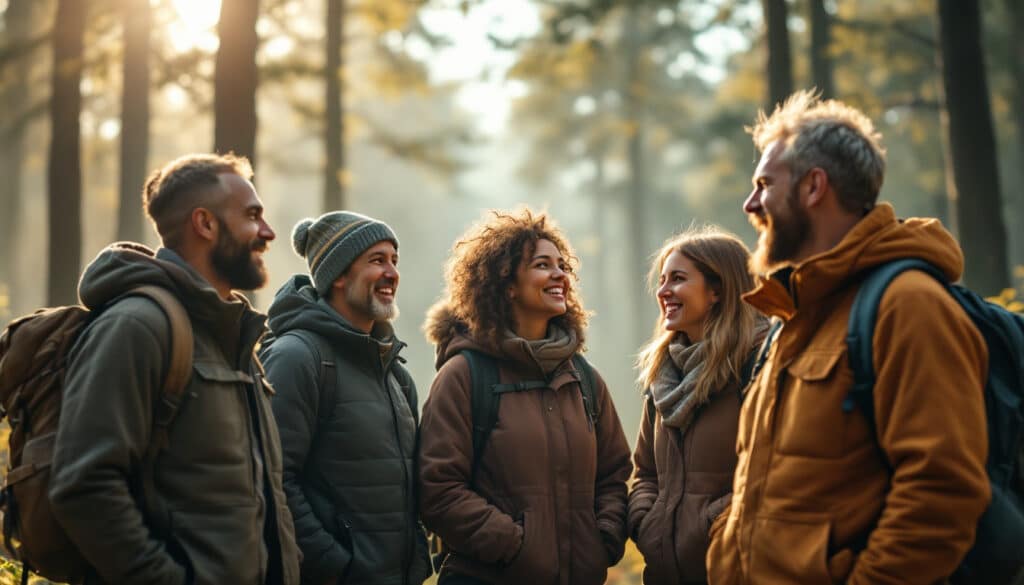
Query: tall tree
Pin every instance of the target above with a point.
(64, 170)
(780, 61)
(334, 127)
(14, 97)
(1017, 71)
(134, 117)
(235, 79)
(972, 142)
(821, 39)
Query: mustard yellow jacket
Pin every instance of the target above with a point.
(817, 497)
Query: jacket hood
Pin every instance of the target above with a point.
(878, 238)
(298, 306)
(450, 335)
(123, 266)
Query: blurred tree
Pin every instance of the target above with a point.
(14, 97)
(1016, 62)
(235, 79)
(972, 143)
(821, 58)
(135, 89)
(334, 125)
(64, 170)
(779, 59)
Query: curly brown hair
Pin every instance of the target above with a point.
(483, 265)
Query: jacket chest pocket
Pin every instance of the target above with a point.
(217, 404)
(810, 420)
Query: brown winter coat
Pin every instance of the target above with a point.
(682, 480)
(548, 503)
(814, 499)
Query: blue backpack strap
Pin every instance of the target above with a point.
(757, 364)
(860, 330)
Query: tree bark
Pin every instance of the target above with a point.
(15, 96)
(334, 130)
(235, 79)
(821, 40)
(134, 118)
(975, 191)
(636, 196)
(780, 62)
(64, 170)
(1017, 64)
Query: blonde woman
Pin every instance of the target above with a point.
(692, 370)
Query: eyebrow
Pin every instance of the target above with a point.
(683, 272)
(545, 256)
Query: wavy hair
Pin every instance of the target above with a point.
(483, 266)
(730, 327)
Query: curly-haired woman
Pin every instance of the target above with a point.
(544, 501)
(692, 368)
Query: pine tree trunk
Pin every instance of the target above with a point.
(821, 39)
(334, 131)
(976, 194)
(1017, 64)
(14, 97)
(636, 197)
(134, 118)
(780, 65)
(235, 79)
(64, 166)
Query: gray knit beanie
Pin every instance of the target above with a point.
(332, 241)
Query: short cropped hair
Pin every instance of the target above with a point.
(830, 135)
(172, 192)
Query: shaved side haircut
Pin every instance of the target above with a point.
(194, 180)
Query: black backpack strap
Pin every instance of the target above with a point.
(327, 371)
(758, 362)
(483, 375)
(860, 331)
(652, 411)
(588, 388)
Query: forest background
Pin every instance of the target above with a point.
(624, 119)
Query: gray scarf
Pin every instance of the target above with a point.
(547, 353)
(673, 389)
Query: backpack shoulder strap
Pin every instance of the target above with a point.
(179, 370)
(860, 331)
(652, 411)
(588, 388)
(758, 360)
(328, 370)
(484, 401)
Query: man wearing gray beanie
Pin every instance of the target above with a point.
(345, 406)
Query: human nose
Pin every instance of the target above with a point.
(663, 290)
(266, 232)
(753, 202)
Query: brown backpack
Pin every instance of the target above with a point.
(34, 353)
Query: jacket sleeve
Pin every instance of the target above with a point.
(115, 372)
(294, 371)
(613, 469)
(449, 507)
(644, 488)
(930, 412)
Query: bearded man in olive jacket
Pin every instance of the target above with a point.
(212, 510)
(346, 407)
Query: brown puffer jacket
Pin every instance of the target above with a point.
(548, 503)
(820, 498)
(682, 480)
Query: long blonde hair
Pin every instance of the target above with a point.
(729, 329)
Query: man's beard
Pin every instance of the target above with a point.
(369, 305)
(234, 262)
(781, 235)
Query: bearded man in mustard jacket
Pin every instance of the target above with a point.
(820, 494)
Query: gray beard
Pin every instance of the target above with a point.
(372, 307)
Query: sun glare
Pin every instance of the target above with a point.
(198, 15)
(194, 27)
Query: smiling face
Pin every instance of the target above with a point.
(243, 238)
(684, 297)
(773, 208)
(540, 289)
(365, 293)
